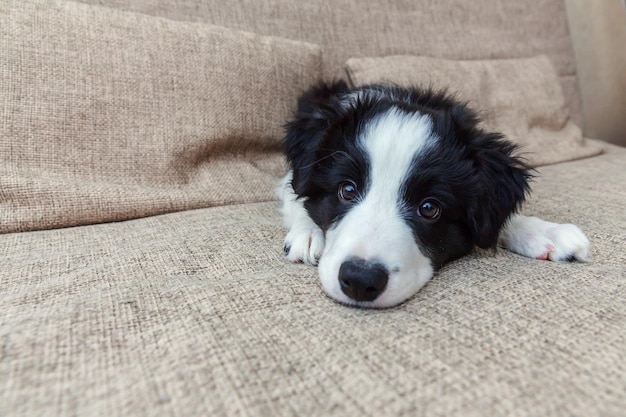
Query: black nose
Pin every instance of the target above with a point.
(362, 281)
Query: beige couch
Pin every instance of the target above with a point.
(141, 266)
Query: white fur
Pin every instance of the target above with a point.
(305, 239)
(374, 229)
(539, 239)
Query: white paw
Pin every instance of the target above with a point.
(570, 243)
(304, 244)
(536, 238)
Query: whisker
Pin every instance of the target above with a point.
(344, 153)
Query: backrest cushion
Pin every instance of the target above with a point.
(447, 29)
(109, 115)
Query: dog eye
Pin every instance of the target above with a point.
(347, 191)
(429, 209)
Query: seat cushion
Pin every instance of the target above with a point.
(196, 313)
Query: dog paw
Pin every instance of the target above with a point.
(536, 238)
(304, 245)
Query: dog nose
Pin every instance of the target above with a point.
(362, 281)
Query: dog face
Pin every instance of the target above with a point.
(400, 181)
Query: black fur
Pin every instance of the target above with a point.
(474, 174)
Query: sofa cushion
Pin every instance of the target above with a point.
(197, 314)
(521, 98)
(451, 29)
(109, 115)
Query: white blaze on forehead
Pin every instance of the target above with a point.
(374, 228)
(392, 141)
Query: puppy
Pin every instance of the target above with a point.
(387, 184)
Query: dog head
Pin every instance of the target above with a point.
(401, 181)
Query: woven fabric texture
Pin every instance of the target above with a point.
(196, 313)
(450, 29)
(521, 98)
(109, 115)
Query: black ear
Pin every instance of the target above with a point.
(317, 108)
(502, 186)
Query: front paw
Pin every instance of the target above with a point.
(536, 238)
(304, 245)
(569, 243)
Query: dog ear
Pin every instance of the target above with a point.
(502, 186)
(317, 108)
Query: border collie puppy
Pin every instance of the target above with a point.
(388, 184)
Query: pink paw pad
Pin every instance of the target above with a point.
(546, 255)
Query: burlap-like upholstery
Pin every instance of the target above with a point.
(450, 29)
(196, 314)
(521, 98)
(598, 32)
(109, 115)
